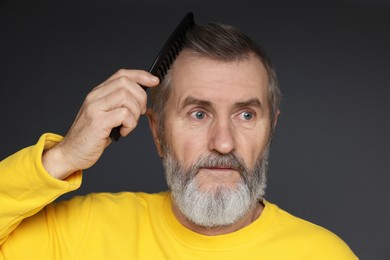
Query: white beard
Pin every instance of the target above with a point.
(219, 205)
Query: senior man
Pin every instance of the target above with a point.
(212, 120)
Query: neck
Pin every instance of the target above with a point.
(250, 217)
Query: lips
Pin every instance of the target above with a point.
(220, 168)
(218, 162)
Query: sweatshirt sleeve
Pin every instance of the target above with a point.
(26, 187)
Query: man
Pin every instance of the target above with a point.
(212, 120)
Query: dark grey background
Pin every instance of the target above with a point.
(330, 156)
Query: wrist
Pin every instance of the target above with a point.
(54, 163)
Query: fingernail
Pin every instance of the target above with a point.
(154, 79)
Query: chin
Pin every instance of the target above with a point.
(214, 188)
(215, 205)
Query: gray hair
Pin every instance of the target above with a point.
(224, 43)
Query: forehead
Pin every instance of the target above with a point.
(218, 81)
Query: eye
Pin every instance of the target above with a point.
(246, 115)
(198, 115)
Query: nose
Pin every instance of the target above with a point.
(221, 137)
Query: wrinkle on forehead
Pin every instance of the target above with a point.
(218, 81)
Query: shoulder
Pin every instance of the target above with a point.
(126, 202)
(110, 202)
(317, 240)
(127, 197)
(109, 207)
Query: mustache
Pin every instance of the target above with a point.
(215, 160)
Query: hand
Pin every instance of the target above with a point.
(120, 100)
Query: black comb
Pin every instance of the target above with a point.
(166, 56)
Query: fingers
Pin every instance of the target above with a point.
(118, 101)
(121, 93)
(141, 77)
(118, 108)
(122, 97)
(132, 80)
(124, 117)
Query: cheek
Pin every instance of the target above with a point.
(186, 145)
(248, 151)
(251, 146)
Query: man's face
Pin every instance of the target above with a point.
(217, 107)
(217, 128)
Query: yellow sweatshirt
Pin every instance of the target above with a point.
(132, 225)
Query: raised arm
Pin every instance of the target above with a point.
(37, 175)
(120, 100)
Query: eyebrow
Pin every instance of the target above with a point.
(253, 102)
(195, 101)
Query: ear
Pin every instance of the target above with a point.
(275, 119)
(152, 118)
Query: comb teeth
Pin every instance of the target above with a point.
(172, 47)
(168, 61)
